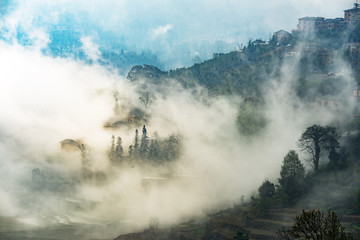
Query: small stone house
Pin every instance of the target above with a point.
(282, 37)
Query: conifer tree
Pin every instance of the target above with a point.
(154, 150)
(119, 149)
(112, 150)
(144, 144)
(292, 176)
(131, 151)
(112, 143)
(136, 144)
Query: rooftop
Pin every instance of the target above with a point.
(352, 10)
(355, 8)
(282, 31)
(311, 18)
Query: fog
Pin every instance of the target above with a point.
(45, 100)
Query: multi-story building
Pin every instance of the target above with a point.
(318, 24)
(310, 24)
(353, 15)
(336, 24)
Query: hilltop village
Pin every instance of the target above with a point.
(323, 48)
(313, 31)
(308, 25)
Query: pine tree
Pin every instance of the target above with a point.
(112, 150)
(267, 189)
(292, 176)
(144, 144)
(131, 151)
(172, 148)
(119, 149)
(154, 150)
(112, 143)
(136, 143)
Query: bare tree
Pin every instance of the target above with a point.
(314, 225)
(314, 138)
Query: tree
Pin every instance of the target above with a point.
(112, 149)
(314, 138)
(131, 151)
(112, 144)
(292, 176)
(38, 179)
(172, 148)
(144, 144)
(314, 225)
(136, 143)
(84, 159)
(251, 119)
(154, 150)
(119, 149)
(146, 99)
(334, 157)
(267, 189)
(239, 235)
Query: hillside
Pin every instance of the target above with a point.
(316, 65)
(224, 225)
(317, 68)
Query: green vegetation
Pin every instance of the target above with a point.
(154, 151)
(332, 185)
(314, 225)
(241, 236)
(292, 177)
(251, 119)
(315, 138)
(267, 189)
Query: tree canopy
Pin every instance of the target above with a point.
(315, 225)
(292, 176)
(316, 137)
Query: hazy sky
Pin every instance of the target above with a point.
(174, 30)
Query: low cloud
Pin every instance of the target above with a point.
(160, 31)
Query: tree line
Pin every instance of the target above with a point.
(294, 182)
(152, 150)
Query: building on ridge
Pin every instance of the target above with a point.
(352, 15)
(282, 37)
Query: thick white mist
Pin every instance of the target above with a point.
(45, 100)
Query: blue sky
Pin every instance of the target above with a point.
(176, 31)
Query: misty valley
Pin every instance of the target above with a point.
(133, 136)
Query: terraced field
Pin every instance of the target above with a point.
(219, 226)
(225, 224)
